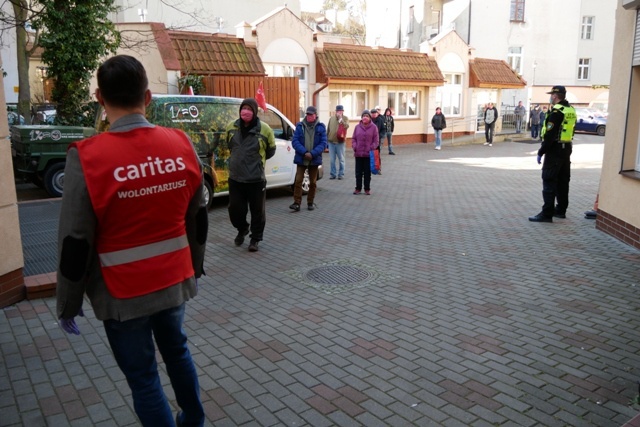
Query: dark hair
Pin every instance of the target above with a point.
(123, 81)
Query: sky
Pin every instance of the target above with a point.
(311, 5)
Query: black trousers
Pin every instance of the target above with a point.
(243, 197)
(556, 174)
(363, 171)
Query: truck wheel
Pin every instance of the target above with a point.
(207, 194)
(54, 179)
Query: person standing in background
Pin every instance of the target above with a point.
(556, 148)
(490, 118)
(439, 123)
(309, 142)
(387, 130)
(337, 147)
(251, 142)
(519, 112)
(534, 120)
(365, 139)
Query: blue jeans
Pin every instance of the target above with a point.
(337, 150)
(388, 136)
(132, 345)
(438, 133)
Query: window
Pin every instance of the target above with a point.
(584, 64)
(411, 19)
(514, 59)
(353, 101)
(586, 32)
(403, 104)
(449, 96)
(517, 10)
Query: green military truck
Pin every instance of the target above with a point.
(39, 153)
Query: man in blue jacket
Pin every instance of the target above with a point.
(309, 142)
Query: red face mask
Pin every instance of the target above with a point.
(246, 115)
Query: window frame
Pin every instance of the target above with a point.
(513, 57)
(447, 93)
(394, 101)
(351, 109)
(587, 28)
(584, 69)
(516, 13)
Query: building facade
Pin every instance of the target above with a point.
(547, 43)
(619, 192)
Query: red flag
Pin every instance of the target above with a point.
(262, 101)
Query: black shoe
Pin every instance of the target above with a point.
(253, 246)
(240, 237)
(559, 215)
(311, 206)
(339, 177)
(540, 218)
(392, 153)
(333, 177)
(294, 207)
(591, 214)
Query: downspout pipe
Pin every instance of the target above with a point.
(315, 93)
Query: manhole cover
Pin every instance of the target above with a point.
(337, 275)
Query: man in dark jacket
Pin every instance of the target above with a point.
(251, 143)
(309, 142)
(556, 148)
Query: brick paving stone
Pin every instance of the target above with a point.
(523, 349)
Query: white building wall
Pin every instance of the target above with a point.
(550, 38)
(198, 15)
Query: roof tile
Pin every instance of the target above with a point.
(493, 73)
(207, 54)
(366, 63)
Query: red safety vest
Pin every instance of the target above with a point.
(140, 183)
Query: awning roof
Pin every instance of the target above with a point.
(363, 64)
(210, 54)
(493, 74)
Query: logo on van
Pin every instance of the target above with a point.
(184, 115)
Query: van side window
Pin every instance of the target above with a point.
(274, 122)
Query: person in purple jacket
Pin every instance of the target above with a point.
(365, 139)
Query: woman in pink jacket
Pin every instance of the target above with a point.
(364, 139)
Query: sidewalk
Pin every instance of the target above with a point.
(431, 302)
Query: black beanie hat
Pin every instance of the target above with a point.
(251, 103)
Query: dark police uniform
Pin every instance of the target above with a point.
(556, 169)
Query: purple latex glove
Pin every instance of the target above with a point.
(539, 159)
(69, 325)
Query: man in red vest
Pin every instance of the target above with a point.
(132, 235)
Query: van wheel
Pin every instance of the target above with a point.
(54, 179)
(207, 194)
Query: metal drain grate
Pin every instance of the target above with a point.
(334, 277)
(337, 275)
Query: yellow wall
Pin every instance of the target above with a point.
(619, 196)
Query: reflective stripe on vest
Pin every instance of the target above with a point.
(568, 123)
(125, 256)
(141, 183)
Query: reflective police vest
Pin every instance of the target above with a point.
(568, 122)
(140, 184)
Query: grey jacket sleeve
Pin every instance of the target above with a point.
(197, 225)
(76, 236)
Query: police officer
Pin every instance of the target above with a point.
(556, 147)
